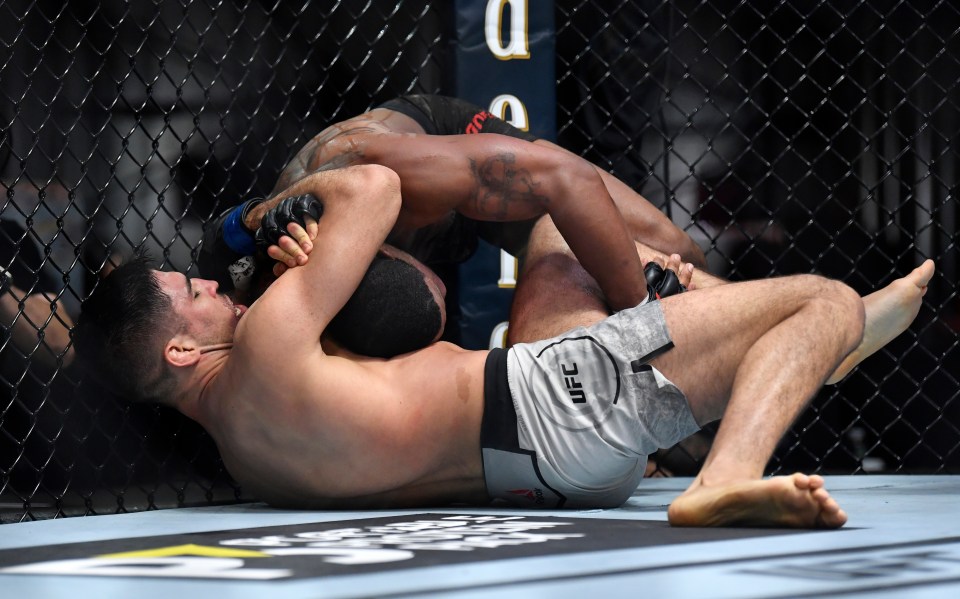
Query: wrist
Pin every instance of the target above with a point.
(236, 234)
(251, 214)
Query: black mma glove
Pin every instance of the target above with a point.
(274, 223)
(661, 283)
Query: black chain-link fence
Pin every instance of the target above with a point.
(785, 137)
(789, 137)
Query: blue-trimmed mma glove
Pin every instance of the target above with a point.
(227, 244)
(661, 283)
(274, 223)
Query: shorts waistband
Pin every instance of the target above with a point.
(509, 472)
(498, 430)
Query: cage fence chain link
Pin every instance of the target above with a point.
(798, 136)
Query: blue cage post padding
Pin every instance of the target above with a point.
(504, 60)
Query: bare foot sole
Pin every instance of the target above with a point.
(796, 501)
(889, 312)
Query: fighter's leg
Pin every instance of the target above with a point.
(889, 311)
(555, 294)
(754, 353)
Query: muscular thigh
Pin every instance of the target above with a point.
(552, 296)
(712, 329)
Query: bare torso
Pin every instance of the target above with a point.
(365, 433)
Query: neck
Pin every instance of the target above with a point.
(198, 396)
(217, 347)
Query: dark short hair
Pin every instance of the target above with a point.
(121, 330)
(392, 312)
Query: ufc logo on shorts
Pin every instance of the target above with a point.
(574, 387)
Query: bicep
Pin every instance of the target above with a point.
(360, 207)
(486, 177)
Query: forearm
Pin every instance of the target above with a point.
(359, 205)
(42, 330)
(645, 222)
(597, 235)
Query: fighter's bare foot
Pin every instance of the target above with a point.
(889, 312)
(796, 501)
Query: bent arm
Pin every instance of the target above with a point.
(499, 178)
(360, 207)
(42, 330)
(648, 224)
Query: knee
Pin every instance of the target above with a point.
(559, 268)
(843, 306)
(545, 240)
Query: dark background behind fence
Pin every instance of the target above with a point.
(784, 137)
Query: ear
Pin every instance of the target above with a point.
(182, 350)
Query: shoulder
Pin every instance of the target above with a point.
(377, 122)
(334, 147)
(347, 143)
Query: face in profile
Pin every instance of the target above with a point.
(397, 308)
(205, 312)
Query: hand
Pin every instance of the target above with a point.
(288, 230)
(664, 280)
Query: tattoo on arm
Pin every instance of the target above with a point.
(340, 160)
(501, 184)
(308, 156)
(298, 167)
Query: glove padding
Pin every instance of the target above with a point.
(661, 283)
(274, 223)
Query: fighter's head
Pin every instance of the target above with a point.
(397, 308)
(120, 333)
(139, 323)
